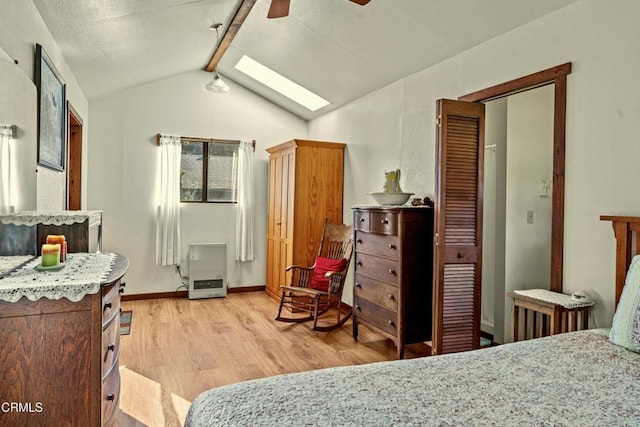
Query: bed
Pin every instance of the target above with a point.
(577, 378)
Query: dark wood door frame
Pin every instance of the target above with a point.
(74, 161)
(558, 77)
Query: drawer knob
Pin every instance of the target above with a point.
(358, 285)
(391, 322)
(361, 219)
(391, 246)
(384, 221)
(121, 290)
(111, 347)
(359, 241)
(357, 307)
(460, 255)
(123, 284)
(390, 296)
(392, 272)
(107, 305)
(111, 397)
(359, 263)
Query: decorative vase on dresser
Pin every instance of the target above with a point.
(393, 272)
(305, 190)
(59, 353)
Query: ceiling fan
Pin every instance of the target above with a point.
(280, 8)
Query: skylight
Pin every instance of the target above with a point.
(280, 84)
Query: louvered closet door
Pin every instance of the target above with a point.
(458, 226)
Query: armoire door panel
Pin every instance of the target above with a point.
(286, 191)
(458, 226)
(282, 261)
(278, 200)
(271, 268)
(272, 198)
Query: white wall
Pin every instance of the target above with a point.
(602, 150)
(21, 27)
(123, 172)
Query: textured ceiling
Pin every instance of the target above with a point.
(336, 48)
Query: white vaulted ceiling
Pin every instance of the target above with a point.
(335, 48)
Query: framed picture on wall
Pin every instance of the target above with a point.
(51, 112)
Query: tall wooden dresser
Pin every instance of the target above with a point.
(393, 272)
(305, 189)
(59, 359)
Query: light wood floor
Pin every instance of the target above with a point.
(179, 348)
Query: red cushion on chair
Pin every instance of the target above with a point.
(323, 266)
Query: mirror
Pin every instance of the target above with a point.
(18, 107)
(556, 78)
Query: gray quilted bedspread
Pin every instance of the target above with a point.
(574, 379)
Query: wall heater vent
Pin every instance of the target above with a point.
(207, 270)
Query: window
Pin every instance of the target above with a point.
(208, 171)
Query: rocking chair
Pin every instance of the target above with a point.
(317, 289)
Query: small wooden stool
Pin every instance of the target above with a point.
(551, 313)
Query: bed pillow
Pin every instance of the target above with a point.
(323, 266)
(625, 330)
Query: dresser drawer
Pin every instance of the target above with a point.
(378, 268)
(110, 395)
(377, 292)
(378, 244)
(361, 220)
(383, 222)
(110, 301)
(382, 318)
(110, 346)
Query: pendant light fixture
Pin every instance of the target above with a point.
(216, 85)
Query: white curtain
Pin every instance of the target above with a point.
(168, 223)
(5, 169)
(244, 217)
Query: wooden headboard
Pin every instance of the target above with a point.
(627, 232)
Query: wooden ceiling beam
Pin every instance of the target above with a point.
(237, 21)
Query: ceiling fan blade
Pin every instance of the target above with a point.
(361, 2)
(278, 9)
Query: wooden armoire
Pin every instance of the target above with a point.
(305, 189)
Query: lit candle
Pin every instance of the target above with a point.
(59, 239)
(50, 255)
